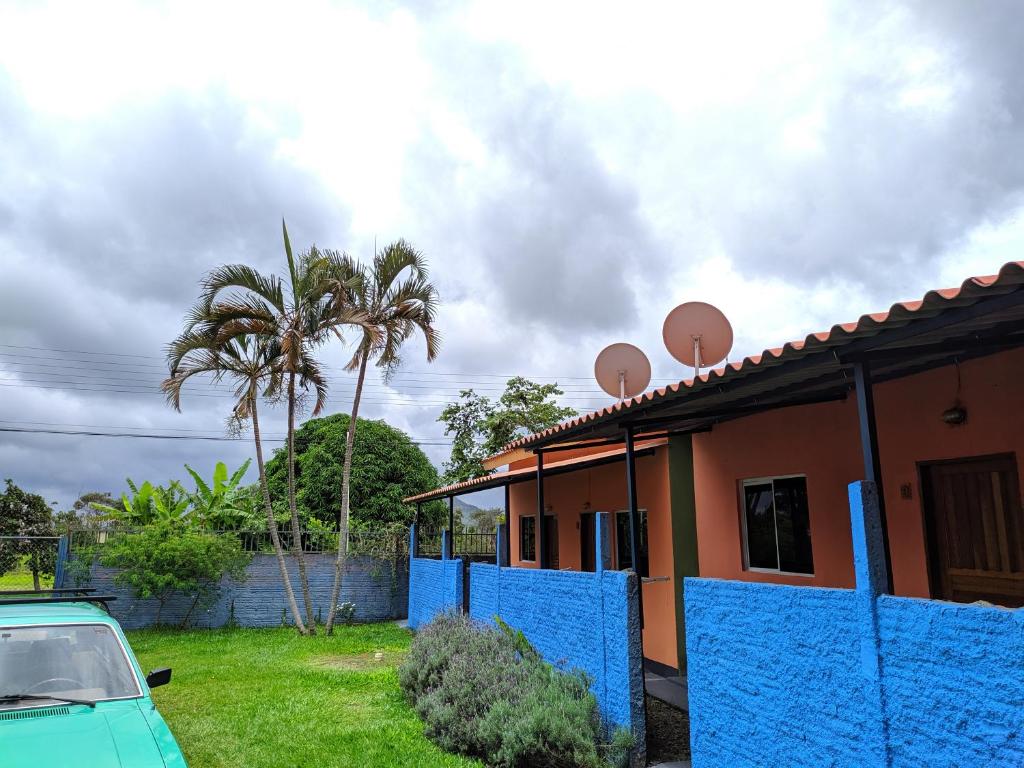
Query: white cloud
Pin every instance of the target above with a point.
(572, 171)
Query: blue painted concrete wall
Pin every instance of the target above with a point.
(259, 601)
(800, 676)
(953, 682)
(435, 586)
(773, 675)
(584, 621)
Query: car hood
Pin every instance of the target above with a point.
(113, 735)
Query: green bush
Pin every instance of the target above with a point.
(487, 693)
(165, 558)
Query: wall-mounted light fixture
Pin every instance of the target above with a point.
(955, 416)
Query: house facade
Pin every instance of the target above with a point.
(735, 489)
(951, 490)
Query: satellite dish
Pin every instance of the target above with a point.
(697, 334)
(622, 370)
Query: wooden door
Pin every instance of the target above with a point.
(975, 530)
(551, 539)
(588, 544)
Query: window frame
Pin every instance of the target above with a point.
(532, 518)
(643, 513)
(27, 704)
(744, 535)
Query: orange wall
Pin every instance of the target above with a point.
(557, 456)
(604, 489)
(910, 430)
(822, 442)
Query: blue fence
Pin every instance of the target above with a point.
(801, 676)
(581, 621)
(435, 586)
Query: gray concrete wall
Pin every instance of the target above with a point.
(378, 590)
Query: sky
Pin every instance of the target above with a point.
(572, 171)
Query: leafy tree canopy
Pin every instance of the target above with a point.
(25, 514)
(386, 467)
(481, 427)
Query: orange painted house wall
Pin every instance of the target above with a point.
(604, 489)
(822, 441)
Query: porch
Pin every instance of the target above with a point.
(811, 641)
(568, 491)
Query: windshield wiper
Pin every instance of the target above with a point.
(6, 698)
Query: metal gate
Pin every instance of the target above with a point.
(472, 547)
(32, 562)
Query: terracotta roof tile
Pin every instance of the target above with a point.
(1010, 274)
(466, 486)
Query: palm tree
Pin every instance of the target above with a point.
(252, 361)
(396, 299)
(239, 301)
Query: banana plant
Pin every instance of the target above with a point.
(221, 504)
(148, 504)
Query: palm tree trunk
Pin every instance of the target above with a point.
(296, 530)
(275, 539)
(346, 478)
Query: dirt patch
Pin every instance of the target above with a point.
(668, 732)
(360, 662)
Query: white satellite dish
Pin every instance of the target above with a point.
(697, 334)
(622, 370)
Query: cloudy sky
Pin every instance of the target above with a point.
(572, 172)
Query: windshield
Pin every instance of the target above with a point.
(82, 661)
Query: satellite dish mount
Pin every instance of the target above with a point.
(697, 334)
(622, 370)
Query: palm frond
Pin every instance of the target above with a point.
(244, 278)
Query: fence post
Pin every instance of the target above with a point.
(501, 550)
(62, 558)
(446, 544)
(602, 542)
(871, 572)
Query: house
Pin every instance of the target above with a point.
(742, 474)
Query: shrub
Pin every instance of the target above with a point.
(487, 693)
(162, 559)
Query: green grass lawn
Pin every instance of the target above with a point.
(267, 697)
(21, 578)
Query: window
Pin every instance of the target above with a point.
(528, 538)
(81, 661)
(777, 525)
(623, 553)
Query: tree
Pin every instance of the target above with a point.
(164, 558)
(386, 467)
(222, 504)
(396, 299)
(148, 504)
(296, 314)
(252, 362)
(486, 520)
(83, 515)
(482, 428)
(26, 514)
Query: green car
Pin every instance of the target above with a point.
(71, 691)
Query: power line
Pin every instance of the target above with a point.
(116, 385)
(415, 373)
(108, 427)
(398, 380)
(148, 436)
(156, 392)
(396, 387)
